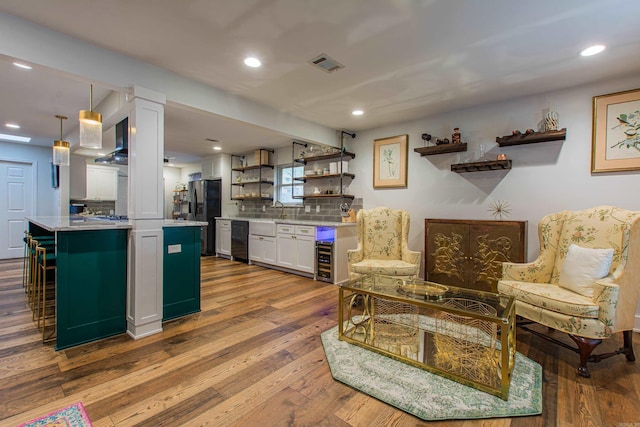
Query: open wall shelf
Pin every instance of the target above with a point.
(531, 138)
(250, 168)
(312, 177)
(323, 196)
(481, 166)
(345, 156)
(441, 149)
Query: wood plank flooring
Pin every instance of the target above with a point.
(253, 357)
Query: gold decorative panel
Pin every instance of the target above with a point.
(470, 253)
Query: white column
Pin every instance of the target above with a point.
(145, 210)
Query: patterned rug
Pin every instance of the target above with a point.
(429, 396)
(71, 416)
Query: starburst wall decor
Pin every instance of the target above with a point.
(499, 209)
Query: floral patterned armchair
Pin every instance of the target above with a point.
(383, 235)
(541, 298)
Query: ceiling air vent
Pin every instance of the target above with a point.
(326, 63)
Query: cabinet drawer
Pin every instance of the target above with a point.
(286, 229)
(305, 230)
(225, 224)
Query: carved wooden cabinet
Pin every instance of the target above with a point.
(470, 253)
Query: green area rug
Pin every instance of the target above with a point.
(426, 395)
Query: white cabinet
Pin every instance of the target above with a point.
(262, 249)
(296, 247)
(223, 237)
(102, 182)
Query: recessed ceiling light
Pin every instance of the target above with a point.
(252, 62)
(12, 126)
(14, 138)
(24, 66)
(217, 148)
(592, 50)
(357, 112)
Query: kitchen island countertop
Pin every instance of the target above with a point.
(84, 223)
(77, 223)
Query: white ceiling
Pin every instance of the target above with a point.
(405, 59)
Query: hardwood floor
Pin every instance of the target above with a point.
(253, 357)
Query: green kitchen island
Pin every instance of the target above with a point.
(91, 274)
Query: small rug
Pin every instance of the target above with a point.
(429, 396)
(71, 416)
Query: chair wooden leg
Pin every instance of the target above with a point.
(585, 346)
(628, 346)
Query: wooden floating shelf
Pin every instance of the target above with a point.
(250, 168)
(335, 175)
(531, 138)
(441, 149)
(346, 155)
(242, 184)
(481, 166)
(252, 198)
(320, 196)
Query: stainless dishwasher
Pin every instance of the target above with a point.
(240, 240)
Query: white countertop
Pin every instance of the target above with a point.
(183, 223)
(77, 223)
(81, 223)
(292, 221)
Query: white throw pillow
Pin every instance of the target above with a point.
(582, 267)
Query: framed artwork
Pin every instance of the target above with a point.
(616, 132)
(390, 162)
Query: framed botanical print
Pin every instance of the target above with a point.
(616, 132)
(390, 162)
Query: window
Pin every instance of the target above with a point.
(284, 188)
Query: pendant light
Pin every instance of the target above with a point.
(61, 148)
(90, 126)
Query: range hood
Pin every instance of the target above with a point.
(121, 154)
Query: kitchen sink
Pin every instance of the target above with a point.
(262, 227)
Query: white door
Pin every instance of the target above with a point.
(16, 202)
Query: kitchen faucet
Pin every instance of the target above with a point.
(282, 214)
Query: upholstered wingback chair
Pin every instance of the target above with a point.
(383, 235)
(544, 293)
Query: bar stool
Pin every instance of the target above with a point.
(45, 290)
(33, 295)
(26, 261)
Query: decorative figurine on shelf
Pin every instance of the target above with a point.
(551, 120)
(455, 138)
(442, 141)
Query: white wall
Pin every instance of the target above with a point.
(546, 177)
(46, 197)
(172, 177)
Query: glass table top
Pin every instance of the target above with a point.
(430, 294)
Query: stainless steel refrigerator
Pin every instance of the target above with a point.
(205, 205)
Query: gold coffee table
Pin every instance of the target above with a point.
(465, 335)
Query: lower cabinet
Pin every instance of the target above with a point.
(296, 247)
(262, 249)
(181, 272)
(470, 253)
(223, 237)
